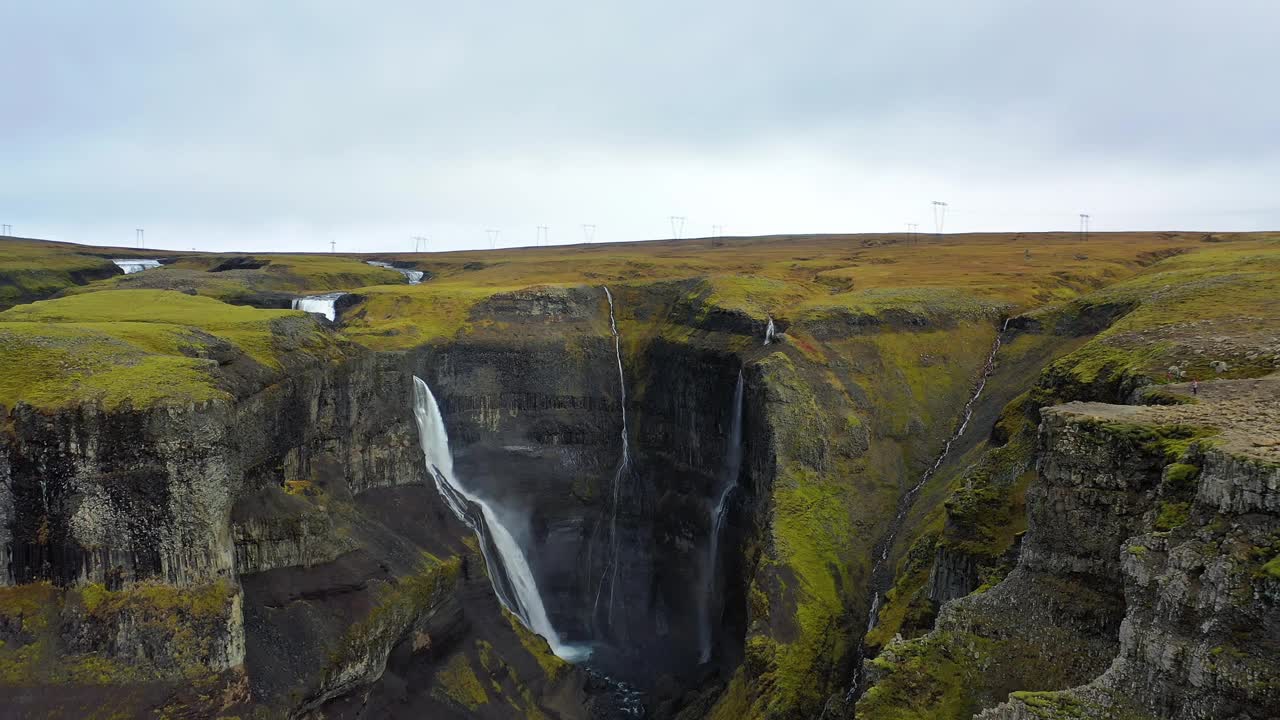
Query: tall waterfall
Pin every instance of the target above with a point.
(325, 305)
(610, 573)
(768, 332)
(728, 483)
(132, 266)
(509, 570)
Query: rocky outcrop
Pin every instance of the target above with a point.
(1140, 590)
(1200, 636)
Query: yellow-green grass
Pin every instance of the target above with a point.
(141, 346)
(287, 274)
(34, 269)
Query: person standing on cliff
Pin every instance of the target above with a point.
(1195, 387)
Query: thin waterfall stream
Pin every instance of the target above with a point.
(880, 571)
(624, 467)
(728, 483)
(508, 568)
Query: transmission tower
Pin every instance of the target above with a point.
(677, 225)
(419, 243)
(6, 229)
(493, 238)
(939, 215)
(717, 230)
(589, 233)
(333, 245)
(544, 236)
(1084, 226)
(911, 231)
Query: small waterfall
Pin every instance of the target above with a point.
(880, 572)
(728, 483)
(319, 304)
(132, 266)
(624, 468)
(413, 276)
(509, 570)
(768, 332)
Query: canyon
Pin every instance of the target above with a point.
(791, 477)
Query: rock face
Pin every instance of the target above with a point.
(536, 424)
(1201, 630)
(240, 546)
(1141, 589)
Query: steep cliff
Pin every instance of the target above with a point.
(210, 509)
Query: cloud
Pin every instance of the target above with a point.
(286, 125)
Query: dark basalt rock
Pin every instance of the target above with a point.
(240, 262)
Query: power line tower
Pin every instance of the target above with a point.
(911, 231)
(138, 239)
(1084, 226)
(333, 246)
(717, 231)
(677, 225)
(493, 238)
(939, 216)
(6, 229)
(589, 233)
(419, 243)
(544, 236)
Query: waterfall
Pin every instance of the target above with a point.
(413, 276)
(728, 483)
(509, 570)
(132, 266)
(319, 304)
(768, 332)
(624, 467)
(878, 577)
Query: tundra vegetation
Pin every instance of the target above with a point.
(289, 556)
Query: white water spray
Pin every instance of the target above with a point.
(509, 571)
(768, 332)
(413, 276)
(624, 467)
(320, 304)
(728, 483)
(132, 266)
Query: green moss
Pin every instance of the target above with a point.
(1272, 568)
(1179, 479)
(398, 604)
(1172, 515)
(537, 646)
(931, 678)
(458, 682)
(1056, 705)
(138, 346)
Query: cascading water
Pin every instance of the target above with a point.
(413, 276)
(728, 483)
(320, 304)
(879, 577)
(610, 573)
(509, 570)
(768, 332)
(132, 266)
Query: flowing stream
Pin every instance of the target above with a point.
(132, 266)
(728, 483)
(413, 276)
(508, 568)
(624, 468)
(320, 304)
(881, 574)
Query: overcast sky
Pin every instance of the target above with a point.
(285, 125)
